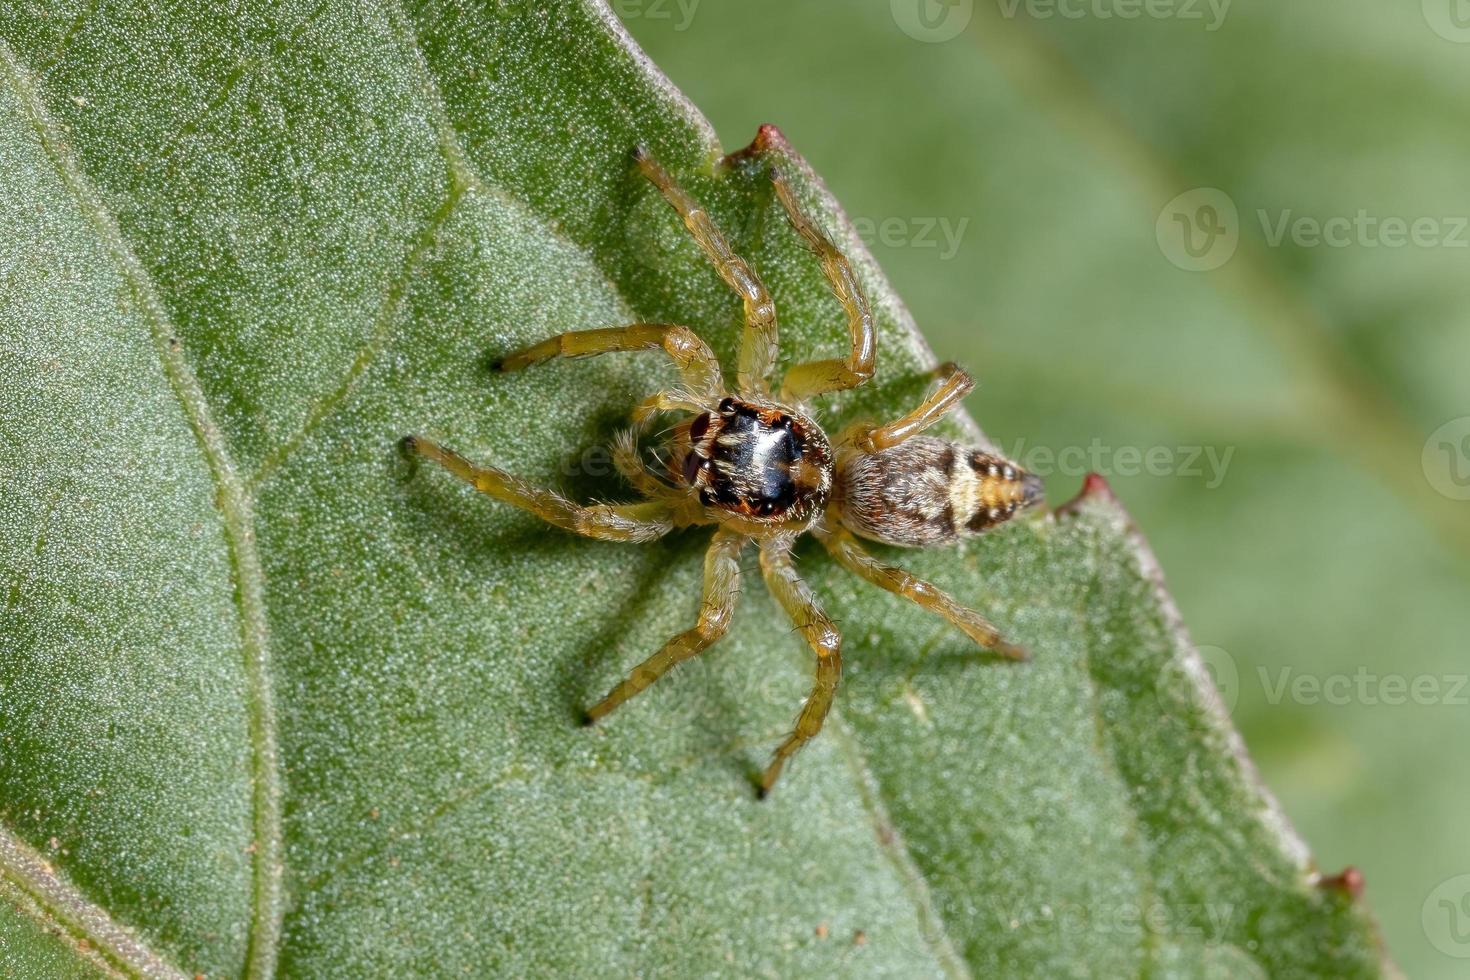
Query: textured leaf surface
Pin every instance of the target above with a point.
(271, 699)
(1331, 551)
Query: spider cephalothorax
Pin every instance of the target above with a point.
(756, 466)
(760, 461)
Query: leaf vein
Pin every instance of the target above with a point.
(234, 504)
(64, 906)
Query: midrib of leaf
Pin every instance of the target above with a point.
(891, 842)
(236, 511)
(1375, 430)
(96, 938)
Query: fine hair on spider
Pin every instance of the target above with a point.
(754, 464)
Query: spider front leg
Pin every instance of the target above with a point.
(609, 522)
(821, 634)
(721, 587)
(852, 556)
(759, 346)
(818, 377)
(698, 367)
(955, 384)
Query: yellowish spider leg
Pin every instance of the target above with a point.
(821, 634)
(855, 558)
(721, 586)
(697, 365)
(628, 463)
(609, 522)
(758, 347)
(816, 377)
(667, 401)
(956, 384)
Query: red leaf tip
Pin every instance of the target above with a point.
(1348, 881)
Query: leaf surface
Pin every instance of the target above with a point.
(274, 700)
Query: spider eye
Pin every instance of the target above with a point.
(698, 428)
(692, 463)
(727, 405)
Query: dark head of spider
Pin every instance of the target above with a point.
(759, 461)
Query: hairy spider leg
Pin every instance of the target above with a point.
(821, 634)
(609, 522)
(838, 374)
(721, 587)
(631, 466)
(852, 556)
(668, 401)
(760, 343)
(698, 367)
(954, 385)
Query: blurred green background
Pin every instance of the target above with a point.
(1271, 369)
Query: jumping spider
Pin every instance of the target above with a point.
(757, 466)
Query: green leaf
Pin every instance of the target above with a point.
(1332, 551)
(271, 699)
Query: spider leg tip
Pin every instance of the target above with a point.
(1012, 652)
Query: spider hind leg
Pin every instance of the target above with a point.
(852, 556)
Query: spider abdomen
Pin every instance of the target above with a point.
(927, 491)
(761, 462)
